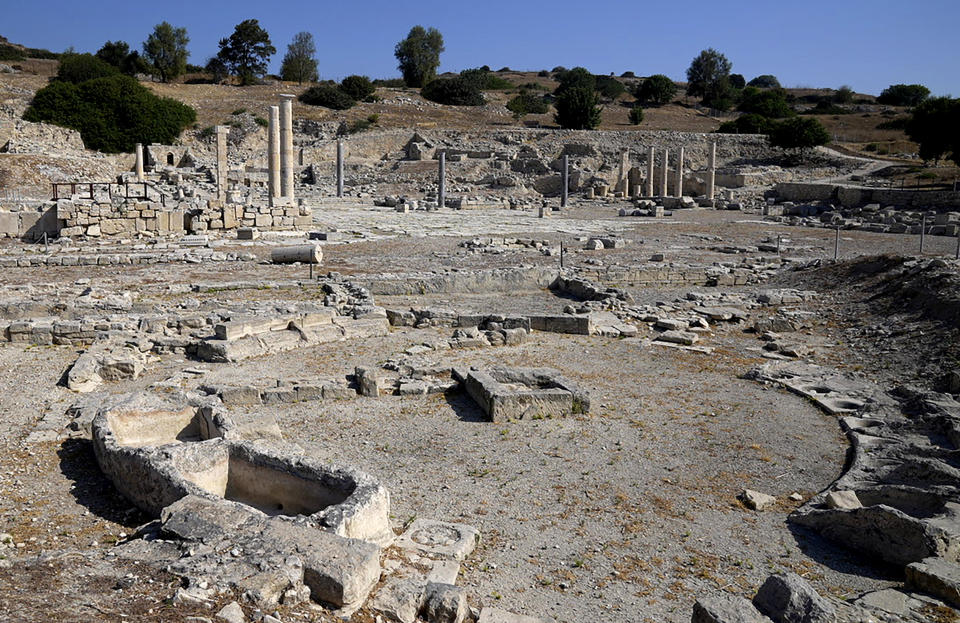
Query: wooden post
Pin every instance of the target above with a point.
(836, 245)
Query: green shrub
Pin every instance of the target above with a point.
(824, 107)
(609, 87)
(798, 133)
(769, 103)
(904, 95)
(628, 74)
(77, 68)
(870, 147)
(484, 80)
(503, 70)
(357, 87)
(374, 119)
(260, 121)
(577, 109)
(543, 73)
(751, 123)
(578, 77)
(112, 114)
(328, 97)
(207, 133)
(636, 115)
(11, 53)
(765, 81)
(737, 81)
(453, 92)
(843, 95)
(656, 90)
(527, 104)
(238, 111)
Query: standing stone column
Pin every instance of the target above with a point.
(442, 181)
(712, 171)
(339, 167)
(286, 146)
(679, 184)
(622, 183)
(222, 161)
(565, 192)
(665, 173)
(650, 172)
(138, 167)
(273, 152)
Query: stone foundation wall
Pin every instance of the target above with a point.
(93, 218)
(854, 196)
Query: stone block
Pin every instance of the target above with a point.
(937, 577)
(788, 598)
(726, 608)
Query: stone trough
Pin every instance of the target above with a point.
(157, 453)
(518, 393)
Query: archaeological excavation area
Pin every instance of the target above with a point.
(505, 376)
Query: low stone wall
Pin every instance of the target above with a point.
(854, 196)
(96, 218)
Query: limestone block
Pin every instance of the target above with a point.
(937, 577)
(439, 539)
(726, 608)
(757, 501)
(445, 603)
(844, 500)
(788, 598)
(400, 599)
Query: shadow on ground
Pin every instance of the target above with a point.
(465, 408)
(840, 559)
(92, 489)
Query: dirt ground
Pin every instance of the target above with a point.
(625, 514)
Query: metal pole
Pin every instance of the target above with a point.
(957, 255)
(566, 181)
(923, 232)
(561, 254)
(836, 245)
(311, 271)
(442, 184)
(339, 167)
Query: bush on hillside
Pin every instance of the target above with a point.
(656, 90)
(609, 87)
(636, 115)
(327, 96)
(577, 109)
(527, 104)
(455, 91)
(799, 133)
(769, 103)
(751, 123)
(357, 87)
(485, 80)
(904, 95)
(112, 113)
(765, 81)
(77, 68)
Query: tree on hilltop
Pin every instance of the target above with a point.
(709, 78)
(246, 52)
(419, 55)
(300, 63)
(166, 51)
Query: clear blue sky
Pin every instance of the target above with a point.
(867, 44)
